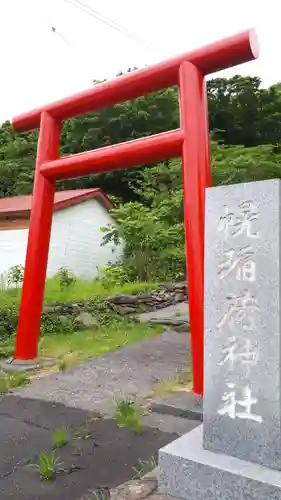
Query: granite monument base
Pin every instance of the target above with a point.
(189, 472)
(179, 405)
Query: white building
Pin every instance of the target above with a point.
(76, 236)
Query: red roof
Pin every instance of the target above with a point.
(21, 205)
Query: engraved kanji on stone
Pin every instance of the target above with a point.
(239, 261)
(230, 404)
(239, 350)
(240, 311)
(240, 223)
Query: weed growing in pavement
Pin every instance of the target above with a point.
(127, 414)
(48, 466)
(60, 437)
(144, 467)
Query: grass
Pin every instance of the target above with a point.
(75, 347)
(144, 467)
(7, 347)
(11, 380)
(71, 348)
(63, 364)
(48, 466)
(180, 383)
(60, 437)
(128, 414)
(80, 291)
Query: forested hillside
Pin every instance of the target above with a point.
(245, 124)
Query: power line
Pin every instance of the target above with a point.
(54, 30)
(87, 9)
(48, 24)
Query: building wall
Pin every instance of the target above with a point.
(75, 241)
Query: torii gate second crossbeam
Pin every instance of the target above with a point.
(191, 141)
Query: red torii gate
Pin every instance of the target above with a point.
(191, 141)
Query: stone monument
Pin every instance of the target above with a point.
(236, 453)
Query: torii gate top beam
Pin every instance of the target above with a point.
(226, 53)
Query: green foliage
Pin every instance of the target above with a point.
(91, 293)
(11, 380)
(8, 320)
(15, 275)
(60, 437)
(114, 274)
(231, 165)
(128, 414)
(76, 347)
(240, 113)
(84, 290)
(48, 466)
(153, 232)
(52, 324)
(144, 467)
(245, 123)
(66, 278)
(62, 364)
(7, 347)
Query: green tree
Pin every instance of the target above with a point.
(142, 117)
(240, 113)
(17, 159)
(153, 231)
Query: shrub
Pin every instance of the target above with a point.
(8, 321)
(66, 278)
(15, 275)
(114, 275)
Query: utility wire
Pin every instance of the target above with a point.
(87, 9)
(48, 24)
(54, 30)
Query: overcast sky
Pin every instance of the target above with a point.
(39, 65)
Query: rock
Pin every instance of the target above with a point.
(123, 299)
(183, 328)
(179, 297)
(135, 489)
(86, 319)
(124, 309)
(82, 312)
(48, 309)
(76, 306)
(63, 319)
(167, 321)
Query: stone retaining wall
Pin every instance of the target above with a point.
(167, 295)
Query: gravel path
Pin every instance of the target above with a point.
(132, 370)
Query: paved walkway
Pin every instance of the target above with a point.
(103, 458)
(30, 414)
(130, 371)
